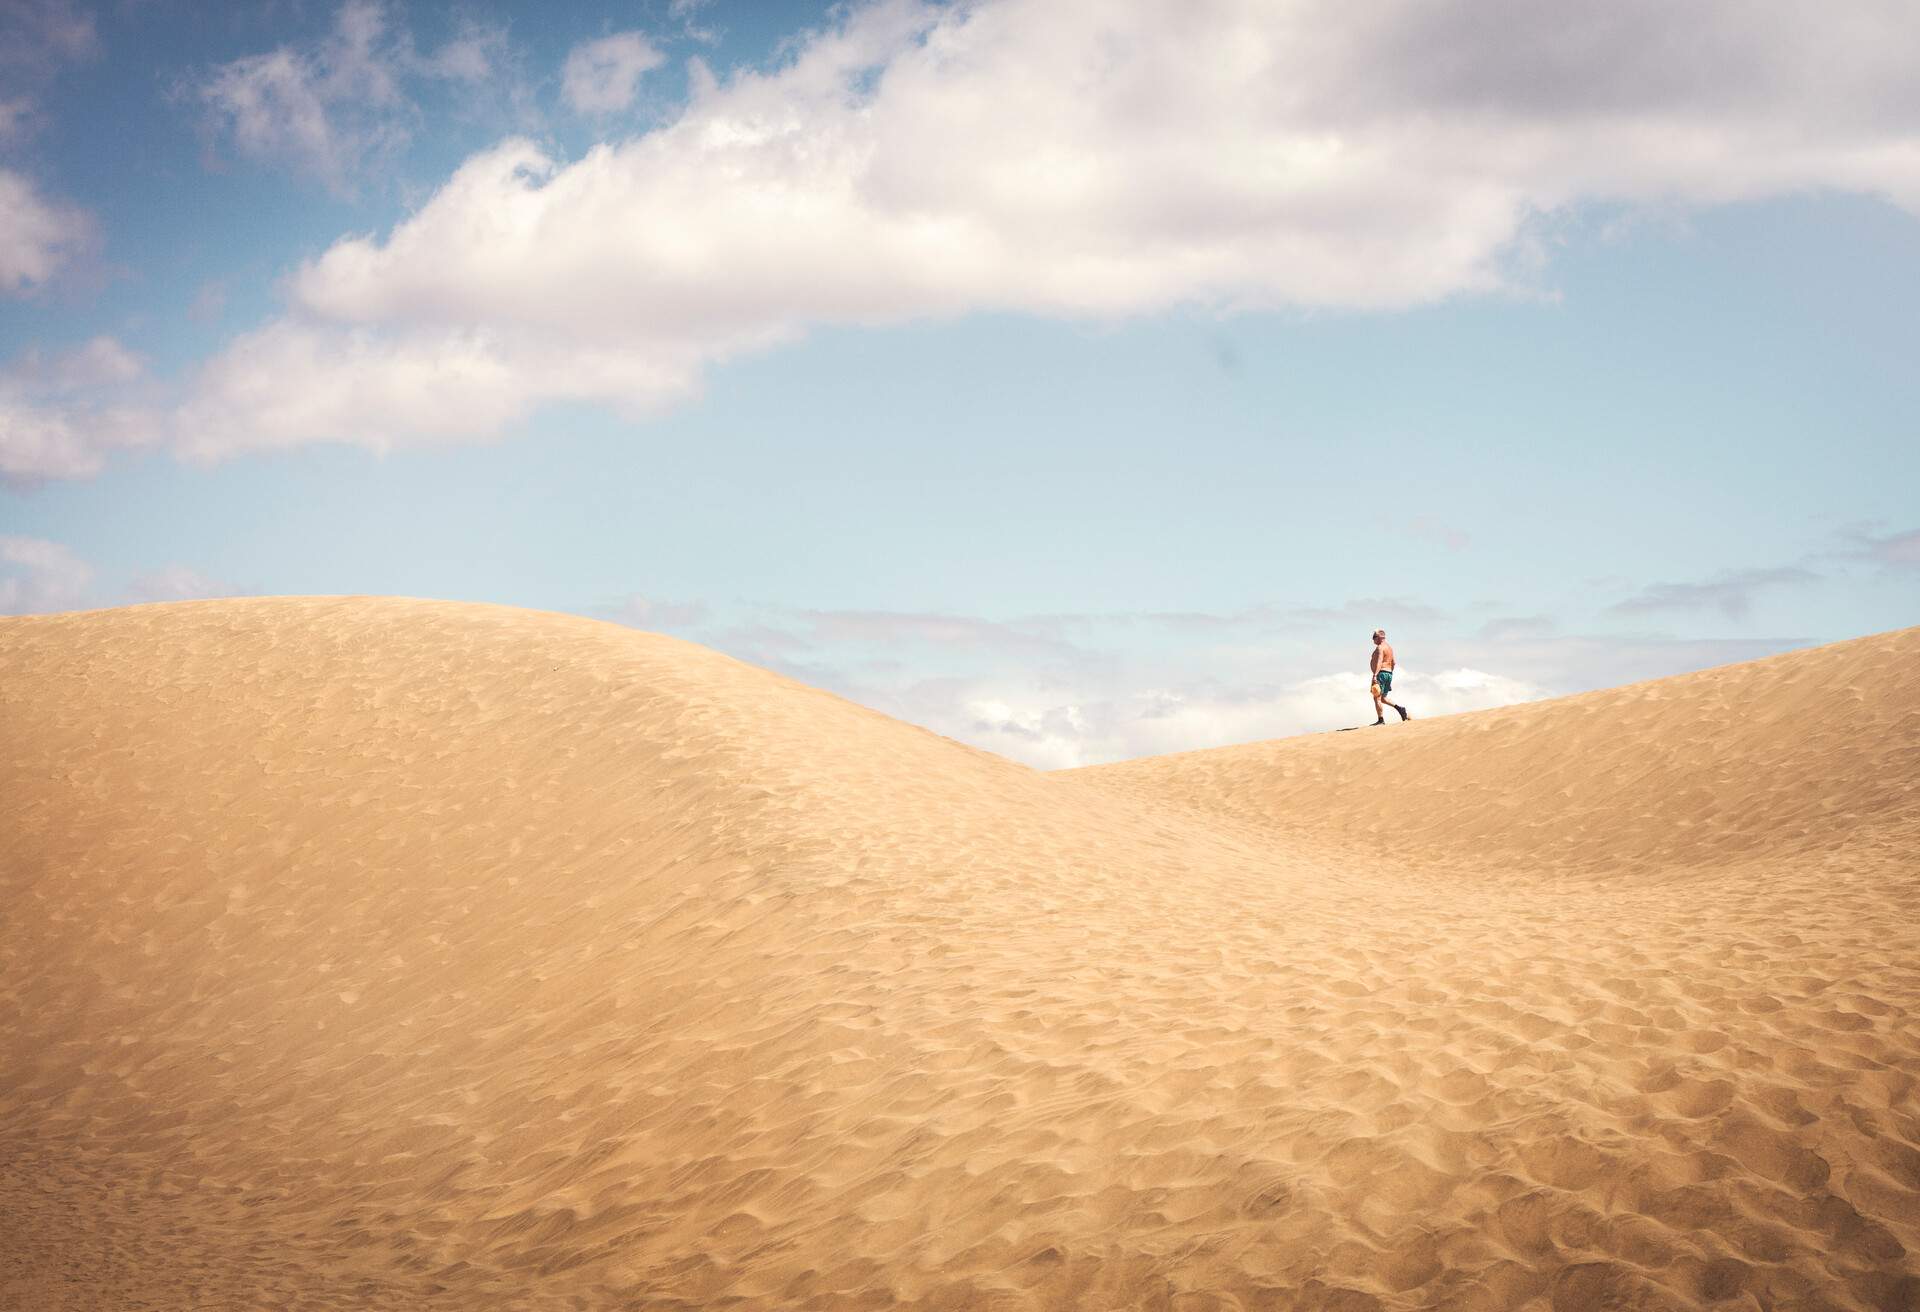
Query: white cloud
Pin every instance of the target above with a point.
(926, 160)
(179, 583)
(37, 575)
(474, 55)
(602, 77)
(15, 113)
(36, 35)
(38, 442)
(338, 107)
(293, 382)
(685, 13)
(658, 616)
(98, 362)
(37, 38)
(209, 303)
(60, 414)
(38, 236)
(1732, 593)
(1894, 550)
(326, 110)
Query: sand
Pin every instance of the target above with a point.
(370, 953)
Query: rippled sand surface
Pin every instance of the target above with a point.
(365, 953)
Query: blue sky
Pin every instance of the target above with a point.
(1077, 386)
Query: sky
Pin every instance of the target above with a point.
(1080, 382)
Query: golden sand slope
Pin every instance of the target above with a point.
(372, 953)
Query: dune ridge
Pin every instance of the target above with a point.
(380, 953)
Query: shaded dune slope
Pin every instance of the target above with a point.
(365, 953)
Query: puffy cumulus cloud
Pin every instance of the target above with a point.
(37, 575)
(39, 236)
(338, 106)
(293, 382)
(921, 159)
(602, 77)
(60, 414)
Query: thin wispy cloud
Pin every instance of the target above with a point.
(1578, 661)
(36, 36)
(603, 77)
(1429, 529)
(209, 303)
(1370, 613)
(61, 412)
(651, 613)
(37, 575)
(180, 583)
(15, 114)
(323, 111)
(1894, 550)
(338, 108)
(950, 631)
(1731, 594)
(686, 13)
(1506, 627)
(38, 40)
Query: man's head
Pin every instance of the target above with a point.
(1379, 636)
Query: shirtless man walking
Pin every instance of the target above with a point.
(1382, 665)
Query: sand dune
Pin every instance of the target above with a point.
(378, 953)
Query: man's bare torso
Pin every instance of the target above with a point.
(1382, 657)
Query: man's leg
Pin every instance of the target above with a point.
(1379, 711)
(1380, 695)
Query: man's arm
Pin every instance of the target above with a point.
(1373, 662)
